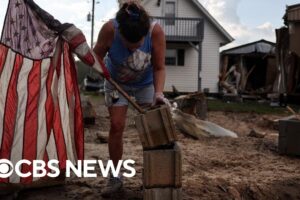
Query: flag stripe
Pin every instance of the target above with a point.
(78, 122)
(49, 107)
(10, 111)
(77, 40)
(68, 79)
(42, 137)
(17, 150)
(4, 80)
(89, 59)
(57, 123)
(31, 119)
(67, 75)
(42, 125)
(64, 110)
(51, 148)
(59, 138)
(46, 160)
(3, 54)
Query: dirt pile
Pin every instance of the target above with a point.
(213, 168)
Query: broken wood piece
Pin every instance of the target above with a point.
(291, 110)
(295, 114)
(256, 134)
(230, 88)
(193, 104)
(245, 76)
(224, 68)
(175, 91)
(198, 128)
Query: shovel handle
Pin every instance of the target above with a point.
(135, 105)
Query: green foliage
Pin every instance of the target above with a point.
(250, 107)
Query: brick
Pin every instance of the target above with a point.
(163, 193)
(162, 168)
(289, 137)
(156, 128)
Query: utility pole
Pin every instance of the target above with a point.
(91, 18)
(92, 31)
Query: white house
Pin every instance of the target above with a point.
(193, 41)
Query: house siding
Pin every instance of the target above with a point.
(210, 47)
(186, 78)
(187, 9)
(152, 8)
(210, 58)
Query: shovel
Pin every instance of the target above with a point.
(155, 126)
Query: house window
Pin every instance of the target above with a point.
(170, 13)
(174, 57)
(171, 57)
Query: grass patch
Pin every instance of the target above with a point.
(248, 107)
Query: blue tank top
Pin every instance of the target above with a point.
(132, 68)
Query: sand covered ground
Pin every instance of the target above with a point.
(213, 168)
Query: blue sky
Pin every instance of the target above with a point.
(245, 20)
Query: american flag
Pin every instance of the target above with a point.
(40, 111)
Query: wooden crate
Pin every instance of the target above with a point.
(162, 168)
(156, 128)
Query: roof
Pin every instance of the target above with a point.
(213, 21)
(260, 46)
(292, 13)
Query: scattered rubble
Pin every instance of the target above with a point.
(256, 134)
(199, 128)
(193, 104)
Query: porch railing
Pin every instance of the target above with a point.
(182, 29)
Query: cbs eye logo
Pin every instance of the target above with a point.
(6, 168)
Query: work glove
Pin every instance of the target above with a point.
(159, 99)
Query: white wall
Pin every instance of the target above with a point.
(152, 8)
(210, 58)
(184, 78)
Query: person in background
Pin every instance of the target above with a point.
(132, 47)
